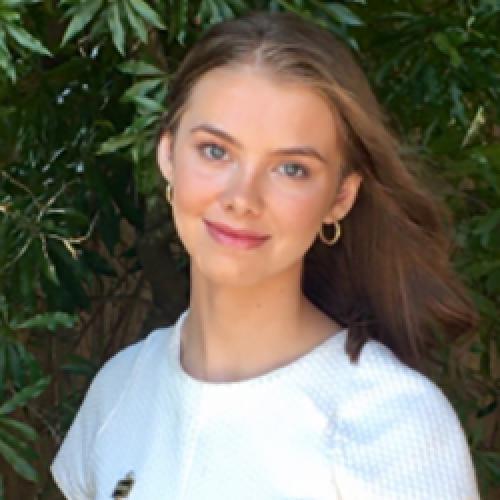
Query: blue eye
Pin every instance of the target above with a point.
(292, 168)
(212, 151)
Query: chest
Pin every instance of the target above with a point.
(216, 449)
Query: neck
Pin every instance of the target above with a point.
(235, 333)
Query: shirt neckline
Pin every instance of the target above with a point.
(272, 376)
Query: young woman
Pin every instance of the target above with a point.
(319, 270)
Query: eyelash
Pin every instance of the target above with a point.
(201, 148)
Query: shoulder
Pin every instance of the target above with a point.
(72, 466)
(113, 372)
(131, 364)
(398, 434)
(382, 380)
(384, 390)
(127, 363)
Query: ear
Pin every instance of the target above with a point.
(345, 198)
(164, 155)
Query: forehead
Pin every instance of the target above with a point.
(251, 104)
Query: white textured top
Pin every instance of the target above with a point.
(317, 428)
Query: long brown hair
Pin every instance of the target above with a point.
(389, 276)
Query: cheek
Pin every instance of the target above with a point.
(299, 221)
(302, 207)
(195, 184)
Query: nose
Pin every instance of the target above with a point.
(241, 193)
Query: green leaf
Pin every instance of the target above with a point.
(24, 395)
(10, 16)
(6, 59)
(24, 429)
(148, 104)
(14, 3)
(71, 273)
(238, 5)
(343, 14)
(178, 20)
(18, 463)
(18, 443)
(140, 68)
(116, 28)
(443, 43)
(141, 88)
(147, 13)
(85, 13)
(491, 460)
(136, 23)
(115, 143)
(458, 108)
(50, 321)
(14, 362)
(141, 123)
(22, 37)
(2, 364)
(493, 282)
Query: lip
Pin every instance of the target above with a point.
(235, 237)
(236, 233)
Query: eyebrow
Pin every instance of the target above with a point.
(298, 150)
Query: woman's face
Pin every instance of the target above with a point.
(255, 154)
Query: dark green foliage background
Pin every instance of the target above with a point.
(82, 85)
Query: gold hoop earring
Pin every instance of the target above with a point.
(333, 240)
(168, 193)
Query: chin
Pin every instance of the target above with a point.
(224, 273)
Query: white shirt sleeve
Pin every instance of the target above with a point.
(72, 468)
(402, 441)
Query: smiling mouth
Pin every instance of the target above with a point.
(237, 233)
(234, 239)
